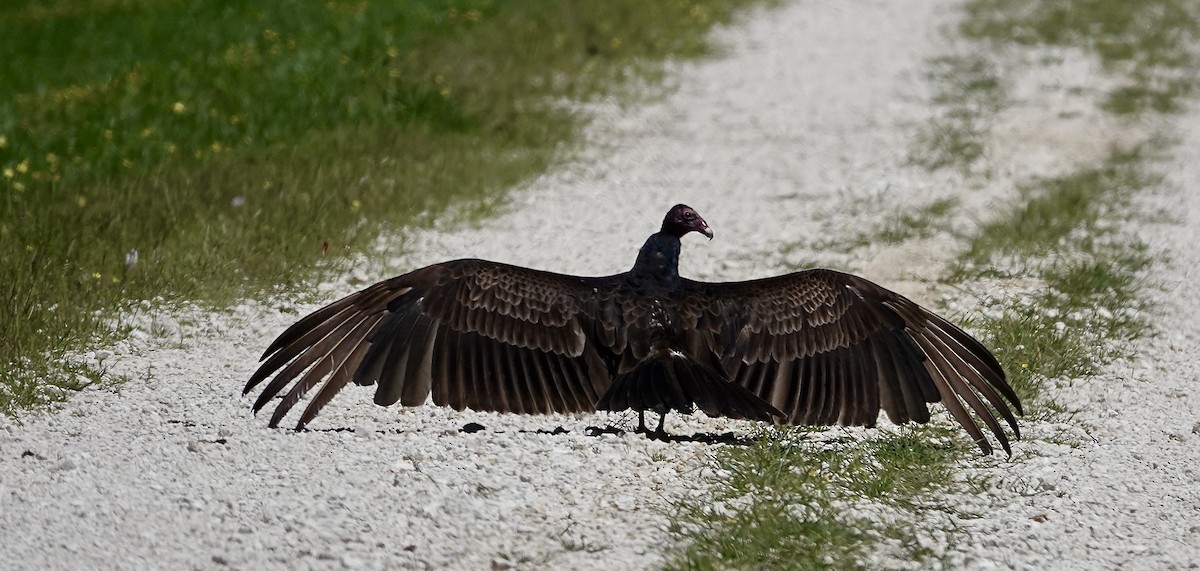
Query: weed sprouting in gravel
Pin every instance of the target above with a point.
(786, 501)
(970, 93)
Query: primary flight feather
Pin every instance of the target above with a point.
(813, 347)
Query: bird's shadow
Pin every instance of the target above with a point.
(701, 437)
(727, 438)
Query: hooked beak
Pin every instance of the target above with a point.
(704, 229)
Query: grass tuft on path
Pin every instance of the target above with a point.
(788, 501)
(970, 92)
(1151, 41)
(1089, 303)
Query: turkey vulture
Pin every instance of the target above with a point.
(813, 347)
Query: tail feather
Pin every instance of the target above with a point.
(678, 382)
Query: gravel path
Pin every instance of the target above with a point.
(801, 130)
(1129, 497)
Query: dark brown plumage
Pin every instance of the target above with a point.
(813, 347)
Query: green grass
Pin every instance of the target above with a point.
(1066, 236)
(1149, 40)
(238, 148)
(1086, 315)
(970, 92)
(1054, 209)
(903, 224)
(921, 222)
(783, 503)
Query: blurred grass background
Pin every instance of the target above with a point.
(175, 150)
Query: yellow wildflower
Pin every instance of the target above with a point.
(116, 280)
(171, 148)
(126, 163)
(179, 107)
(81, 201)
(8, 173)
(3, 141)
(96, 275)
(216, 147)
(23, 167)
(147, 132)
(19, 186)
(355, 205)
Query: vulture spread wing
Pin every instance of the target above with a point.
(825, 347)
(474, 333)
(812, 347)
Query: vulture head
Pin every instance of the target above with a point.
(682, 219)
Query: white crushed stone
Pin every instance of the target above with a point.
(1119, 487)
(801, 130)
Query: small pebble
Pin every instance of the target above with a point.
(500, 564)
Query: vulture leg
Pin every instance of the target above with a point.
(658, 433)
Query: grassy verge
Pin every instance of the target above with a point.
(904, 225)
(1147, 41)
(1062, 288)
(970, 94)
(1077, 297)
(210, 150)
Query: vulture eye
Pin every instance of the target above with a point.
(689, 216)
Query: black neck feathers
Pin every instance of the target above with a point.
(659, 258)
